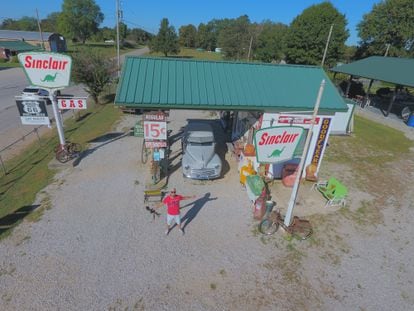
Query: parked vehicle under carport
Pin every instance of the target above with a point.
(200, 160)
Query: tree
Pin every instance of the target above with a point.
(166, 41)
(271, 42)
(309, 31)
(24, 23)
(235, 38)
(80, 19)
(390, 22)
(139, 36)
(91, 68)
(188, 36)
(50, 23)
(206, 38)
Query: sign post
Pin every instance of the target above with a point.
(50, 71)
(295, 189)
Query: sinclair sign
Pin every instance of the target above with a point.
(277, 144)
(48, 70)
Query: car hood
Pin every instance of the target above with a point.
(200, 156)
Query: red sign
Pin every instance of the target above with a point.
(297, 120)
(156, 144)
(72, 103)
(155, 116)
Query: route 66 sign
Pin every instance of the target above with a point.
(33, 112)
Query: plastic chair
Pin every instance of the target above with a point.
(333, 190)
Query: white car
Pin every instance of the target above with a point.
(200, 160)
(35, 92)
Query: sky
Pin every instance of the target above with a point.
(148, 14)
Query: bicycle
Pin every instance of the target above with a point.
(68, 151)
(299, 228)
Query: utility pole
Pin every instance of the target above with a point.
(250, 48)
(386, 51)
(40, 29)
(117, 39)
(326, 46)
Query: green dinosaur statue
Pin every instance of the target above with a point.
(276, 153)
(50, 78)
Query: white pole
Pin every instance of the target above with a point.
(326, 46)
(117, 38)
(58, 120)
(295, 189)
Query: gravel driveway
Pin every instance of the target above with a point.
(97, 248)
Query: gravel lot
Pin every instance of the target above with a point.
(97, 248)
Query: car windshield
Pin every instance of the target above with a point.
(190, 143)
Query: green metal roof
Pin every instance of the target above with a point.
(161, 83)
(18, 46)
(389, 69)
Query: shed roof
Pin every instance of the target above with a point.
(389, 69)
(161, 83)
(18, 46)
(26, 35)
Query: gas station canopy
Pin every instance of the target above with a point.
(173, 83)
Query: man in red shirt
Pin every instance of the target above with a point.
(172, 201)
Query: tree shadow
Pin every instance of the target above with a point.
(197, 206)
(9, 221)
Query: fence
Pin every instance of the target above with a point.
(23, 138)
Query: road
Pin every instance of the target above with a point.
(12, 82)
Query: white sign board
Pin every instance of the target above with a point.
(48, 70)
(277, 144)
(71, 103)
(155, 130)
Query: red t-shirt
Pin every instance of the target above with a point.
(173, 204)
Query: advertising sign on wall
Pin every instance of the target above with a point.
(277, 144)
(33, 112)
(48, 70)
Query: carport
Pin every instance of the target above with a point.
(398, 71)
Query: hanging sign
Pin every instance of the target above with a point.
(156, 144)
(277, 144)
(48, 70)
(33, 112)
(71, 103)
(155, 130)
(296, 120)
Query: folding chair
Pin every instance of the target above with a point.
(333, 190)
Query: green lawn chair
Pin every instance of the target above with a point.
(333, 190)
